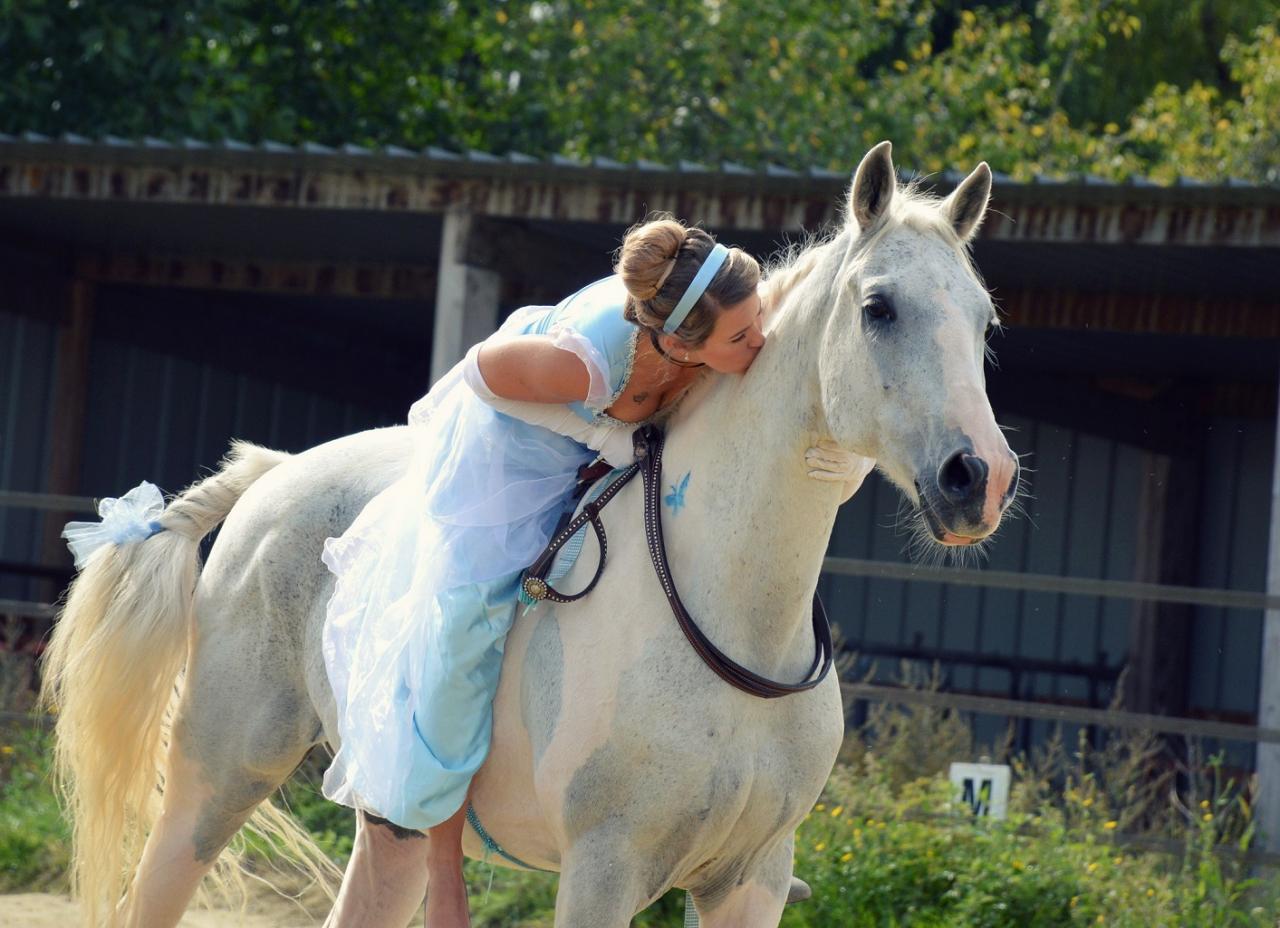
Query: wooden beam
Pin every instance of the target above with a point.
(307, 278)
(1141, 313)
(730, 198)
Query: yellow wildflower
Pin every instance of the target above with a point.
(820, 807)
(820, 846)
(1110, 826)
(1087, 803)
(1093, 867)
(1204, 803)
(835, 813)
(846, 857)
(1208, 817)
(6, 749)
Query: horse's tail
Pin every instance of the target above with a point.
(109, 675)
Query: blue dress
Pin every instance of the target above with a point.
(427, 574)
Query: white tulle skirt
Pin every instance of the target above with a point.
(426, 591)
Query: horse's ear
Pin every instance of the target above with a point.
(968, 202)
(873, 186)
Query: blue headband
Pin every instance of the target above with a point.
(697, 287)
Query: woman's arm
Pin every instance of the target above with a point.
(531, 369)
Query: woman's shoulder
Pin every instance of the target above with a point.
(596, 313)
(604, 299)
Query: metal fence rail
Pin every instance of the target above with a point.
(51, 502)
(1048, 583)
(1023, 709)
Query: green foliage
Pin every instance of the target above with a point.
(1113, 87)
(34, 840)
(882, 847)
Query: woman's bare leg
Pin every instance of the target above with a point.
(385, 882)
(446, 891)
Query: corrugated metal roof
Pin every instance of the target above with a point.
(471, 162)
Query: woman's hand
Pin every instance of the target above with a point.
(829, 462)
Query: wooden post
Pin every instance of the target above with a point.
(1267, 802)
(66, 430)
(466, 297)
(1160, 633)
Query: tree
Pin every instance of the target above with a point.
(1112, 87)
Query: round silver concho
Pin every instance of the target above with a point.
(535, 588)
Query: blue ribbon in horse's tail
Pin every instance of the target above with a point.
(131, 518)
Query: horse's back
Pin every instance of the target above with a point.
(260, 600)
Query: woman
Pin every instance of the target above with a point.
(427, 575)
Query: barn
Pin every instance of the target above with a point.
(160, 298)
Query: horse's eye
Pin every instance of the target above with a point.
(878, 309)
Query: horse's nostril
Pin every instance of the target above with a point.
(961, 476)
(1013, 481)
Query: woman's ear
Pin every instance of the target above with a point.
(671, 345)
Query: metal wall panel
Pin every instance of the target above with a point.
(27, 348)
(175, 375)
(156, 417)
(1226, 644)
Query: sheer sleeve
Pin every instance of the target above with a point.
(600, 390)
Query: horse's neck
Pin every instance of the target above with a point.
(746, 546)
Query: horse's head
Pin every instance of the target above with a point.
(901, 366)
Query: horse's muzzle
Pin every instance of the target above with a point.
(957, 500)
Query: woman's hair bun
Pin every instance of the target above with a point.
(649, 255)
(658, 262)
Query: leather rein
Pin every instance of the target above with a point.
(648, 447)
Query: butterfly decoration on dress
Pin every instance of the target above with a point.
(675, 499)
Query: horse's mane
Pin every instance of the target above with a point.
(911, 207)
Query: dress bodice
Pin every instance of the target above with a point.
(594, 315)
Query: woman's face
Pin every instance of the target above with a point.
(735, 340)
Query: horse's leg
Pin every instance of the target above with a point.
(386, 879)
(194, 826)
(241, 729)
(754, 901)
(600, 886)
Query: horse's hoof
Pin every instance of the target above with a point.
(799, 891)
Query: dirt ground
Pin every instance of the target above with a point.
(265, 910)
(42, 910)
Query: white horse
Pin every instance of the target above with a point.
(618, 758)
